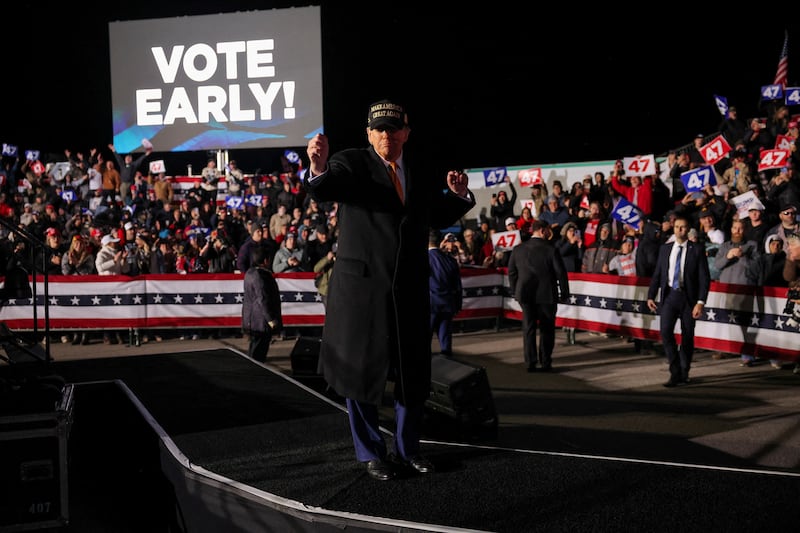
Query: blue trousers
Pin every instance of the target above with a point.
(367, 437)
(442, 326)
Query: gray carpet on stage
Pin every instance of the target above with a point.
(252, 425)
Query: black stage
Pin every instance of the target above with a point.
(208, 440)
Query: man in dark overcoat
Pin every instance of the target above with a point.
(261, 307)
(377, 320)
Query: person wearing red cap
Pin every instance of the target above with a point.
(77, 224)
(48, 258)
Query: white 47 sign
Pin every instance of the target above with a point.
(505, 240)
(639, 166)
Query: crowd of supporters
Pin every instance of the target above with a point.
(80, 222)
(756, 246)
(151, 229)
(105, 214)
(590, 238)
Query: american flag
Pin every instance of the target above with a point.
(783, 63)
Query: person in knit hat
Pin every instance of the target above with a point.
(597, 256)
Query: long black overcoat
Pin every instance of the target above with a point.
(377, 323)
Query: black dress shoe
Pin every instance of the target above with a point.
(380, 470)
(421, 464)
(671, 383)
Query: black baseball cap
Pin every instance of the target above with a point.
(386, 114)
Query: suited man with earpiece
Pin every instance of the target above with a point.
(682, 278)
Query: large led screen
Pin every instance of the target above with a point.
(233, 80)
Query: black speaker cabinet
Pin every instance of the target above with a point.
(460, 392)
(305, 356)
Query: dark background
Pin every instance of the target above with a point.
(484, 86)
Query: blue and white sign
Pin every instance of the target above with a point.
(695, 180)
(771, 92)
(494, 176)
(792, 95)
(234, 202)
(627, 213)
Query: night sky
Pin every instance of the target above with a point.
(483, 87)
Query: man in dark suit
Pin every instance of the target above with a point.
(539, 281)
(377, 324)
(683, 279)
(446, 288)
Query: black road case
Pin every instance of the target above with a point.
(33, 467)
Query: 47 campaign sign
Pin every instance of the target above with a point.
(494, 176)
(696, 179)
(627, 213)
(715, 150)
(771, 159)
(530, 177)
(640, 166)
(506, 240)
